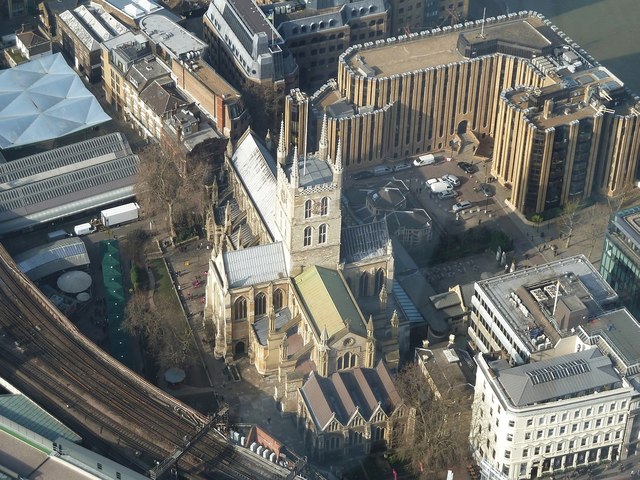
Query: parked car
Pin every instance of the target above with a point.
(447, 194)
(422, 160)
(362, 175)
(401, 166)
(460, 206)
(381, 170)
(431, 181)
(486, 189)
(451, 180)
(466, 167)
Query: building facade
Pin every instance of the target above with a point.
(551, 416)
(620, 264)
(322, 31)
(81, 31)
(385, 107)
(245, 47)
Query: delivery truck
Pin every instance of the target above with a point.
(57, 235)
(84, 229)
(119, 215)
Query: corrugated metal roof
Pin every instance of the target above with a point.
(53, 257)
(256, 168)
(64, 181)
(364, 241)
(253, 265)
(24, 412)
(555, 378)
(327, 299)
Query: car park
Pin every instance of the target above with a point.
(460, 206)
(451, 180)
(447, 194)
(466, 167)
(401, 166)
(362, 175)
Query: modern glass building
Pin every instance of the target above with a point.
(620, 265)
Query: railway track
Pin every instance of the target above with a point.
(44, 355)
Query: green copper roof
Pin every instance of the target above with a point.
(328, 301)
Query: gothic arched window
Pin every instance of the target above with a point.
(260, 304)
(307, 209)
(278, 299)
(307, 236)
(240, 308)
(379, 280)
(322, 233)
(324, 206)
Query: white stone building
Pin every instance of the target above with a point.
(550, 416)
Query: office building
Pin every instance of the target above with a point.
(319, 33)
(551, 416)
(443, 89)
(529, 313)
(620, 264)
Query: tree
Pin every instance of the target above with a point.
(264, 103)
(168, 337)
(570, 218)
(158, 183)
(441, 433)
(161, 188)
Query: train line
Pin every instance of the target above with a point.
(44, 355)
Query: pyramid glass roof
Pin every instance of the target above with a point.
(42, 100)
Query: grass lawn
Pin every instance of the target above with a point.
(164, 287)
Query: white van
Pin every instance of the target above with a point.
(439, 187)
(84, 229)
(422, 160)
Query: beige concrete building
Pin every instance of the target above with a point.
(563, 142)
(441, 89)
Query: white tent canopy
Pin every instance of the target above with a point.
(74, 281)
(42, 100)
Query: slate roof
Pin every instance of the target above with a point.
(364, 241)
(548, 380)
(261, 324)
(327, 300)
(42, 100)
(259, 264)
(348, 391)
(26, 413)
(256, 168)
(160, 99)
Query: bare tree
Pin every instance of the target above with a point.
(158, 183)
(264, 103)
(570, 218)
(441, 434)
(161, 187)
(168, 337)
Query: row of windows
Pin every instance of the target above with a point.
(570, 445)
(589, 411)
(322, 235)
(574, 428)
(259, 304)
